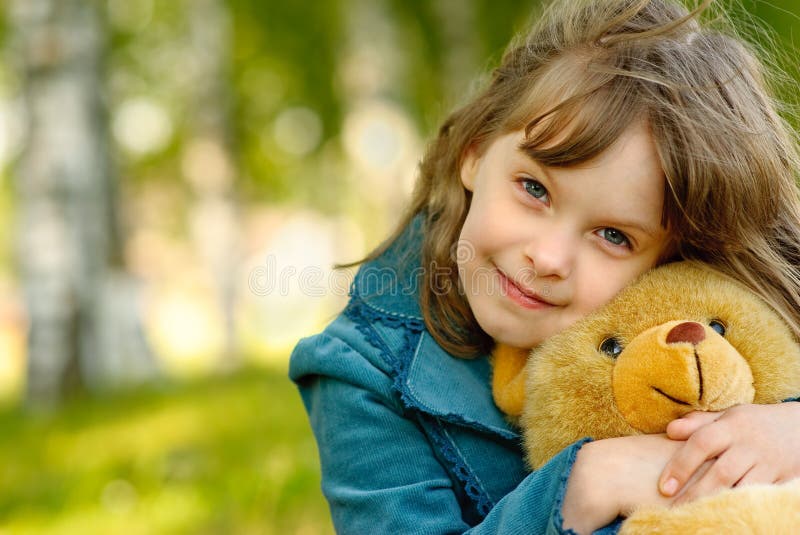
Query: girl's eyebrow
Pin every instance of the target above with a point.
(525, 152)
(638, 225)
(533, 161)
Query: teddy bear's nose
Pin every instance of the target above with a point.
(688, 331)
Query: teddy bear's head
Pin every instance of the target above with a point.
(681, 338)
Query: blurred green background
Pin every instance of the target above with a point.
(177, 179)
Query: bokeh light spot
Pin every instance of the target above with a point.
(297, 131)
(142, 126)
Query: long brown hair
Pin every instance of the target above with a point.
(582, 75)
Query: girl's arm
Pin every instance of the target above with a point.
(746, 444)
(380, 473)
(612, 477)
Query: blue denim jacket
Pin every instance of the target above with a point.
(410, 440)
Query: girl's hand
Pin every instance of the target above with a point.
(610, 477)
(746, 444)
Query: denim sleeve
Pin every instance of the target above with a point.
(379, 471)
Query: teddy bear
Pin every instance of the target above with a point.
(683, 337)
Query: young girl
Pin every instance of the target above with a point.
(618, 135)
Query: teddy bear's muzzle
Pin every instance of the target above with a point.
(675, 368)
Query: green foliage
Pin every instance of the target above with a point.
(225, 455)
(3, 25)
(285, 54)
(777, 27)
(294, 54)
(428, 95)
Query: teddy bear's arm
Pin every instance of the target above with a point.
(766, 509)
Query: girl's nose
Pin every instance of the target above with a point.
(552, 254)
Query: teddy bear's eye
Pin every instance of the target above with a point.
(717, 326)
(611, 347)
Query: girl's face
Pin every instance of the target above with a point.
(543, 247)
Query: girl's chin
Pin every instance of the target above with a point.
(523, 337)
(514, 339)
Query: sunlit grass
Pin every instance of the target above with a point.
(225, 455)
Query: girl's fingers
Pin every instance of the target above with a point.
(723, 474)
(707, 442)
(760, 473)
(682, 428)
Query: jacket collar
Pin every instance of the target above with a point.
(454, 389)
(430, 379)
(390, 284)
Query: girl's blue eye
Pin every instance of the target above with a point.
(535, 189)
(614, 236)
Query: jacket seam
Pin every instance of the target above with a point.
(470, 482)
(557, 517)
(387, 312)
(362, 318)
(449, 416)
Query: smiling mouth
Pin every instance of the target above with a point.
(523, 291)
(524, 298)
(700, 381)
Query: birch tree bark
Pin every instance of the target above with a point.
(67, 235)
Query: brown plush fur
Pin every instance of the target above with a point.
(669, 366)
(753, 510)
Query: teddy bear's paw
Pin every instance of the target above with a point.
(756, 509)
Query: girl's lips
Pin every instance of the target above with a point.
(527, 300)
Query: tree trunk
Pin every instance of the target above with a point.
(67, 235)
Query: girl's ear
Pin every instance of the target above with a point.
(469, 167)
